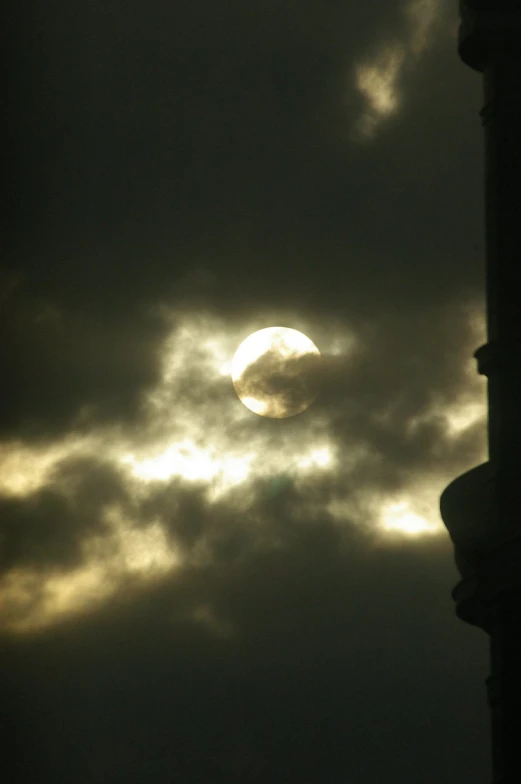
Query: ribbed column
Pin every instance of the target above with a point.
(491, 599)
(482, 508)
(501, 361)
(504, 695)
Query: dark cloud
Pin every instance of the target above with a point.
(46, 529)
(298, 691)
(173, 159)
(66, 370)
(38, 530)
(287, 385)
(157, 142)
(177, 141)
(408, 367)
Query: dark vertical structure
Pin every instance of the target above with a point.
(482, 508)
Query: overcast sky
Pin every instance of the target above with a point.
(190, 591)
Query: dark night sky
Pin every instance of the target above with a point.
(189, 591)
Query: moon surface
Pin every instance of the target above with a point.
(276, 372)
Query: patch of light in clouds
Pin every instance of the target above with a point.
(193, 463)
(24, 469)
(401, 517)
(318, 458)
(377, 78)
(464, 416)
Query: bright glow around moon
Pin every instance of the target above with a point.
(276, 372)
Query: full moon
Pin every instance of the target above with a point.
(276, 372)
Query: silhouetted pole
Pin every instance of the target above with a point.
(482, 508)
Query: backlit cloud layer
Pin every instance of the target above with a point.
(189, 589)
(89, 510)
